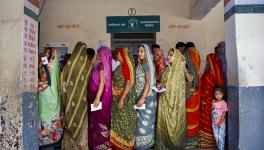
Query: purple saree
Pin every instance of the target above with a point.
(99, 121)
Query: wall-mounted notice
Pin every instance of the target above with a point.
(132, 24)
(30, 54)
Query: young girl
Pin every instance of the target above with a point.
(219, 109)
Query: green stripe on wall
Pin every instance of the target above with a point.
(244, 9)
(30, 13)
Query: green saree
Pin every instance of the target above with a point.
(74, 79)
(123, 121)
(171, 120)
(49, 102)
(49, 99)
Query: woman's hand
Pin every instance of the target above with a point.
(140, 102)
(120, 103)
(96, 102)
(219, 124)
(161, 85)
(184, 63)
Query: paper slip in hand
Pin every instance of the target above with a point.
(44, 60)
(158, 90)
(142, 107)
(96, 108)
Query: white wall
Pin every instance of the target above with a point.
(214, 30)
(91, 17)
(249, 38)
(231, 51)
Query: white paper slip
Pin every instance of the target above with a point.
(96, 108)
(158, 90)
(142, 107)
(44, 60)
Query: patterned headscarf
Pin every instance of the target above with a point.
(127, 69)
(149, 59)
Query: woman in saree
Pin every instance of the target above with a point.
(212, 77)
(74, 78)
(100, 90)
(171, 120)
(193, 92)
(159, 62)
(50, 126)
(123, 121)
(145, 80)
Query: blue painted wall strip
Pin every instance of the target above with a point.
(248, 9)
(233, 117)
(30, 13)
(245, 118)
(30, 121)
(251, 118)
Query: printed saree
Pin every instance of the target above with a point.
(124, 120)
(49, 102)
(146, 118)
(74, 80)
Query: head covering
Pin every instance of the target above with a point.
(172, 107)
(215, 67)
(106, 59)
(150, 63)
(159, 65)
(127, 67)
(176, 75)
(74, 78)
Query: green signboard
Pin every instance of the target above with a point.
(132, 24)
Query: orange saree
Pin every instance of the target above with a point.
(193, 98)
(212, 77)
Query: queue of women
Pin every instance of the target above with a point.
(130, 115)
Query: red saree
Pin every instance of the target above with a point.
(212, 77)
(192, 103)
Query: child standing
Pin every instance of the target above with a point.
(219, 109)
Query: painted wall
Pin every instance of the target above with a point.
(18, 114)
(214, 30)
(71, 21)
(249, 38)
(10, 76)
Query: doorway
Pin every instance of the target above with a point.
(132, 40)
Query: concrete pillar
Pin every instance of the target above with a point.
(18, 110)
(244, 38)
